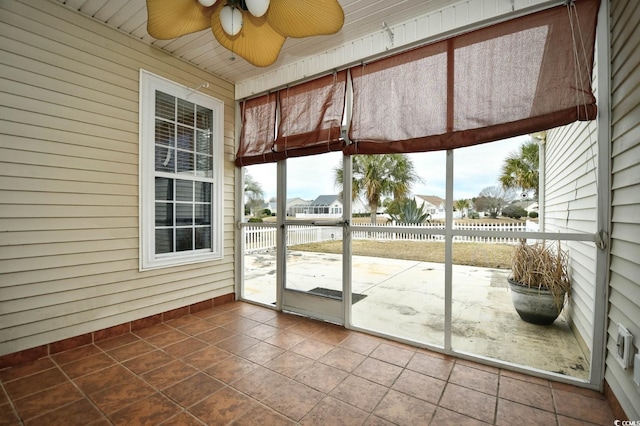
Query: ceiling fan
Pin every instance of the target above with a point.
(253, 29)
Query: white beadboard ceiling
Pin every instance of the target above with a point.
(362, 17)
(362, 36)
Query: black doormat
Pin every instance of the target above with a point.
(336, 294)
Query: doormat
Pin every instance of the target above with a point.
(336, 294)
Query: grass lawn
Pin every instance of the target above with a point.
(473, 254)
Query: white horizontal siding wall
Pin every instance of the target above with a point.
(624, 283)
(69, 179)
(458, 17)
(571, 206)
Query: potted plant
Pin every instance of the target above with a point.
(539, 281)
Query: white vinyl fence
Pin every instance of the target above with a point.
(259, 238)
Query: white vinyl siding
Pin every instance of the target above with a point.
(69, 179)
(571, 206)
(624, 282)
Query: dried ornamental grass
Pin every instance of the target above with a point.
(541, 266)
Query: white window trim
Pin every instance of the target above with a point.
(149, 83)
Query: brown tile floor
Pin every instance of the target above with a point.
(242, 364)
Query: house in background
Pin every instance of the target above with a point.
(436, 207)
(323, 207)
(528, 205)
(272, 204)
(75, 217)
(297, 205)
(432, 204)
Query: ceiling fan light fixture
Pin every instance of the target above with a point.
(257, 7)
(236, 26)
(231, 20)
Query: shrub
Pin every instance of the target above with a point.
(266, 212)
(533, 215)
(255, 220)
(409, 212)
(473, 215)
(514, 211)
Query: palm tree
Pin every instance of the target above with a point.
(521, 169)
(462, 205)
(253, 192)
(375, 176)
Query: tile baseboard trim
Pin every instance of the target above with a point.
(613, 402)
(33, 354)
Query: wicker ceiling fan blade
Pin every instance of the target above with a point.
(169, 19)
(257, 42)
(304, 18)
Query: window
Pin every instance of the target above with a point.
(181, 154)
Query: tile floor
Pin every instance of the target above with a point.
(242, 364)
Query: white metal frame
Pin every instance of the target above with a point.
(597, 356)
(603, 220)
(311, 305)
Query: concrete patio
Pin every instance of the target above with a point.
(406, 299)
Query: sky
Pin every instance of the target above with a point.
(475, 168)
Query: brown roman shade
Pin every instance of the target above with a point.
(257, 137)
(513, 78)
(310, 121)
(311, 116)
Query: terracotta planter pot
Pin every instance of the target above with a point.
(533, 305)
